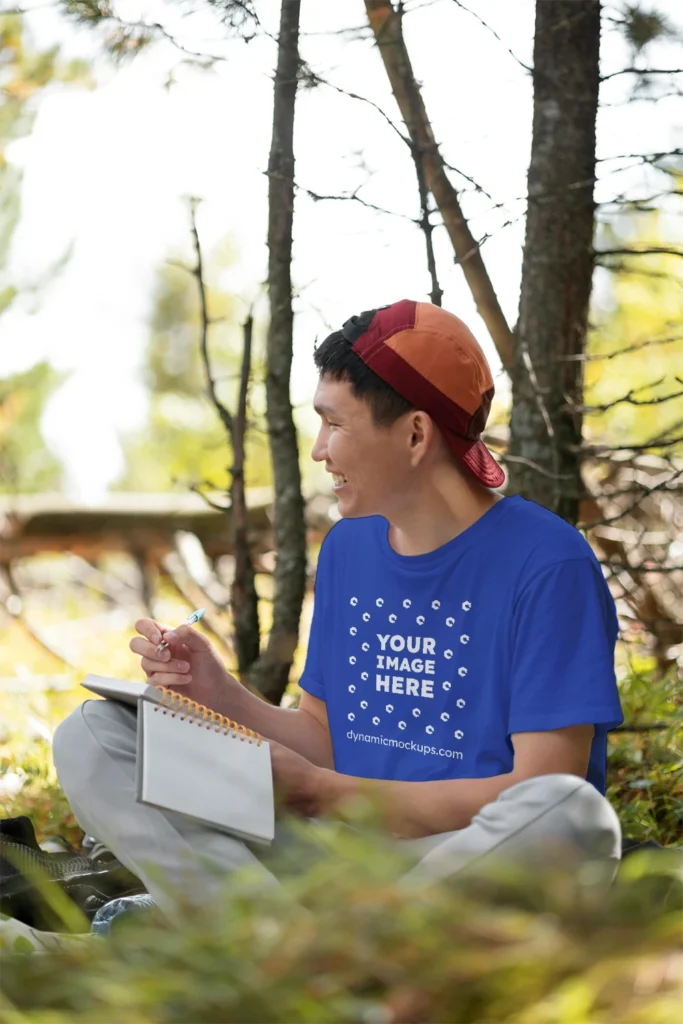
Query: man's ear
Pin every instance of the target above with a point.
(422, 430)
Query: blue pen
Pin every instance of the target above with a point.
(189, 621)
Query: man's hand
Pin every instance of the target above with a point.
(190, 664)
(300, 785)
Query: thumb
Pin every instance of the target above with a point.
(196, 642)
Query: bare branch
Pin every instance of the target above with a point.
(426, 225)
(477, 187)
(535, 466)
(641, 71)
(621, 566)
(599, 357)
(195, 488)
(386, 26)
(240, 421)
(648, 158)
(540, 401)
(607, 451)
(641, 727)
(663, 485)
(354, 197)
(628, 399)
(493, 32)
(198, 274)
(653, 250)
(317, 80)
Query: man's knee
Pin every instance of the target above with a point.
(86, 736)
(573, 810)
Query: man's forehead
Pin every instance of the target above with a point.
(332, 396)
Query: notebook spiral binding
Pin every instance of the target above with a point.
(199, 713)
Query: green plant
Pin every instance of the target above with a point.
(346, 941)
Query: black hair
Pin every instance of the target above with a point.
(336, 360)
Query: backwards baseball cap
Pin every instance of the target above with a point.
(433, 360)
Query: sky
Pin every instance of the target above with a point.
(107, 172)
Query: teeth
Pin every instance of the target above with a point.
(338, 480)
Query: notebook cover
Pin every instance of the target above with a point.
(123, 690)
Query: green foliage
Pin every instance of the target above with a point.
(345, 941)
(25, 73)
(642, 27)
(184, 441)
(645, 768)
(636, 345)
(41, 796)
(26, 465)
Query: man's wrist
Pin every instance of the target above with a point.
(333, 789)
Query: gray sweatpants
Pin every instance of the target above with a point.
(95, 750)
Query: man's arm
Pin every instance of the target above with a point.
(416, 809)
(304, 729)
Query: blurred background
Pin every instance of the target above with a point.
(167, 265)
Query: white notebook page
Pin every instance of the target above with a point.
(221, 780)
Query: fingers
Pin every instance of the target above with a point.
(173, 666)
(148, 650)
(138, 645)
(171, 680)
(189, 637)
(151, 629)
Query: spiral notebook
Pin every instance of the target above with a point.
(195, 762)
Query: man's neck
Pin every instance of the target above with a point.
(442, 510)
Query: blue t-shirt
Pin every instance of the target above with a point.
(430, 663)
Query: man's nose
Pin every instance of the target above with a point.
(318, 451)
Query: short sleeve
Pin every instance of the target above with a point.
(313, 677)
(564, 632)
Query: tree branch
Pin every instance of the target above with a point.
(354, 197)
(386, 26)
(653, 250)
(641, 71)
(661, 486)
(495, 35)
(628, 399)
(427, 226)
(317, 80)
(598, 357)
(648, 158)
(198, 274)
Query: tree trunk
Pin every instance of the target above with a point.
(388, 31)
(545, 430)
(243, 595)
(271, 672)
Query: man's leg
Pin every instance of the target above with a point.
(94, 752)
(543, 822)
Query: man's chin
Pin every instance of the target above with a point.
(348, 508)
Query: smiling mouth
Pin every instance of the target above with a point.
(338, 481)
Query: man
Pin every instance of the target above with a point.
(460, 663)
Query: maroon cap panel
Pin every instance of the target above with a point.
(385, 323)
(394, 370)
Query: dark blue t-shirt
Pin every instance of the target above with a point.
(430, 663)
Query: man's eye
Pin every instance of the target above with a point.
(333, 424)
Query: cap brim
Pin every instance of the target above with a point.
(477, 459)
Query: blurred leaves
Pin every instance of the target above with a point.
(643, 26)
(645, 769)
(25, 74)
(26, 465)
(346, 941)
(183, 441)
(641, 309)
